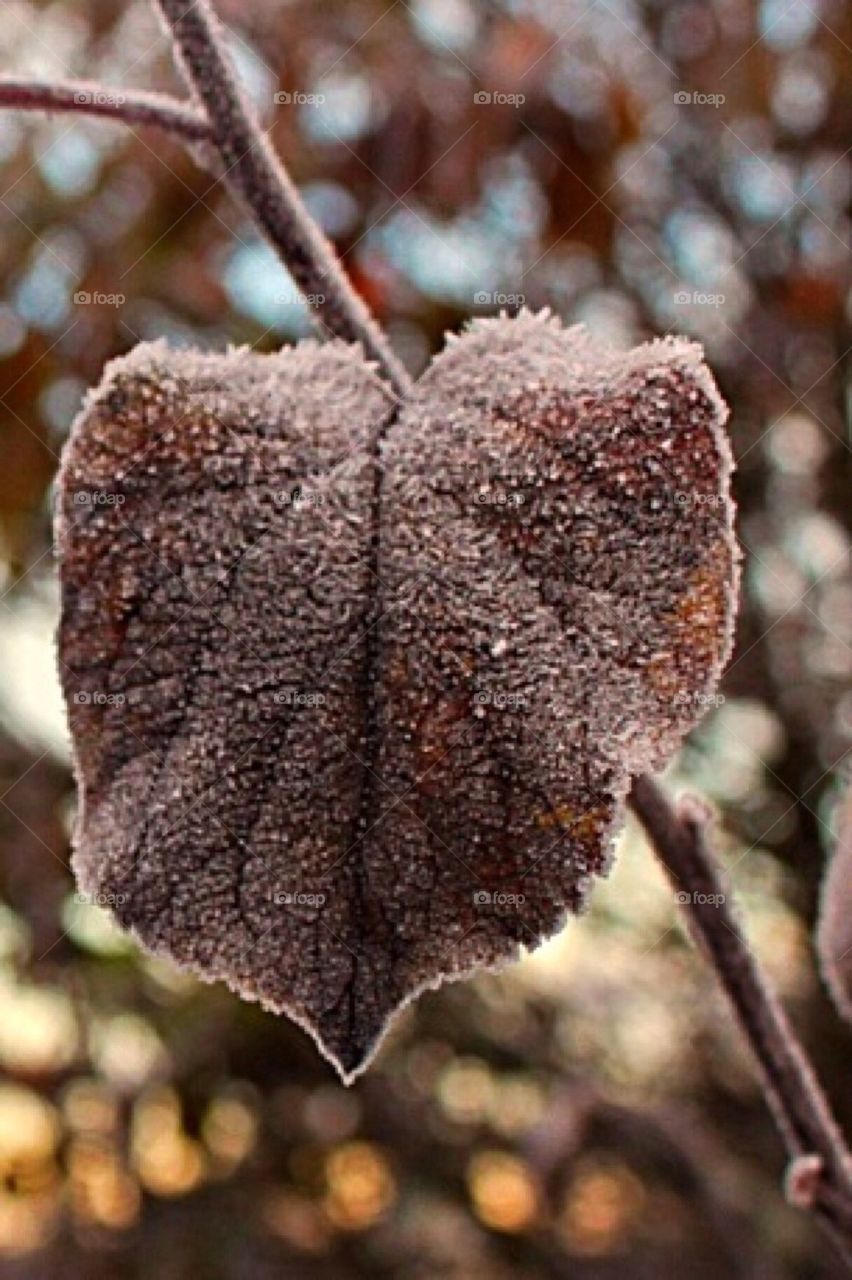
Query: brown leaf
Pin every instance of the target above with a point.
(356, 700)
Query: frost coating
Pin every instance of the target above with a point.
(212, 649)
(378, 731)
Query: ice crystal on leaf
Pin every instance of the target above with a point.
(357, 689)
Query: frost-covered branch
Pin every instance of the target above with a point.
(225, 121)
(253, 169)
(88, 98)
(820, 1173)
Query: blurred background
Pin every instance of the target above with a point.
(680, 166)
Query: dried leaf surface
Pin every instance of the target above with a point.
(356, 699)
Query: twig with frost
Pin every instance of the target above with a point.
(225, 121)
(820, 1173)
(85, 97)
(253, 169)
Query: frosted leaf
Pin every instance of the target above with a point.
(356, 699)
(834, 927)
(214, 535)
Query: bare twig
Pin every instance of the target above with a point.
(129, 107)
(800, 1109)
(253, 169)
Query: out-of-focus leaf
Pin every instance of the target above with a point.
(834, 927)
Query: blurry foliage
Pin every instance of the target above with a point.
(589, 1112)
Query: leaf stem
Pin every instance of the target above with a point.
(253, 170)
(798, 1104)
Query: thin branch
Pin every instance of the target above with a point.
(91, 99)
(253, 169)
(798, 1104)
